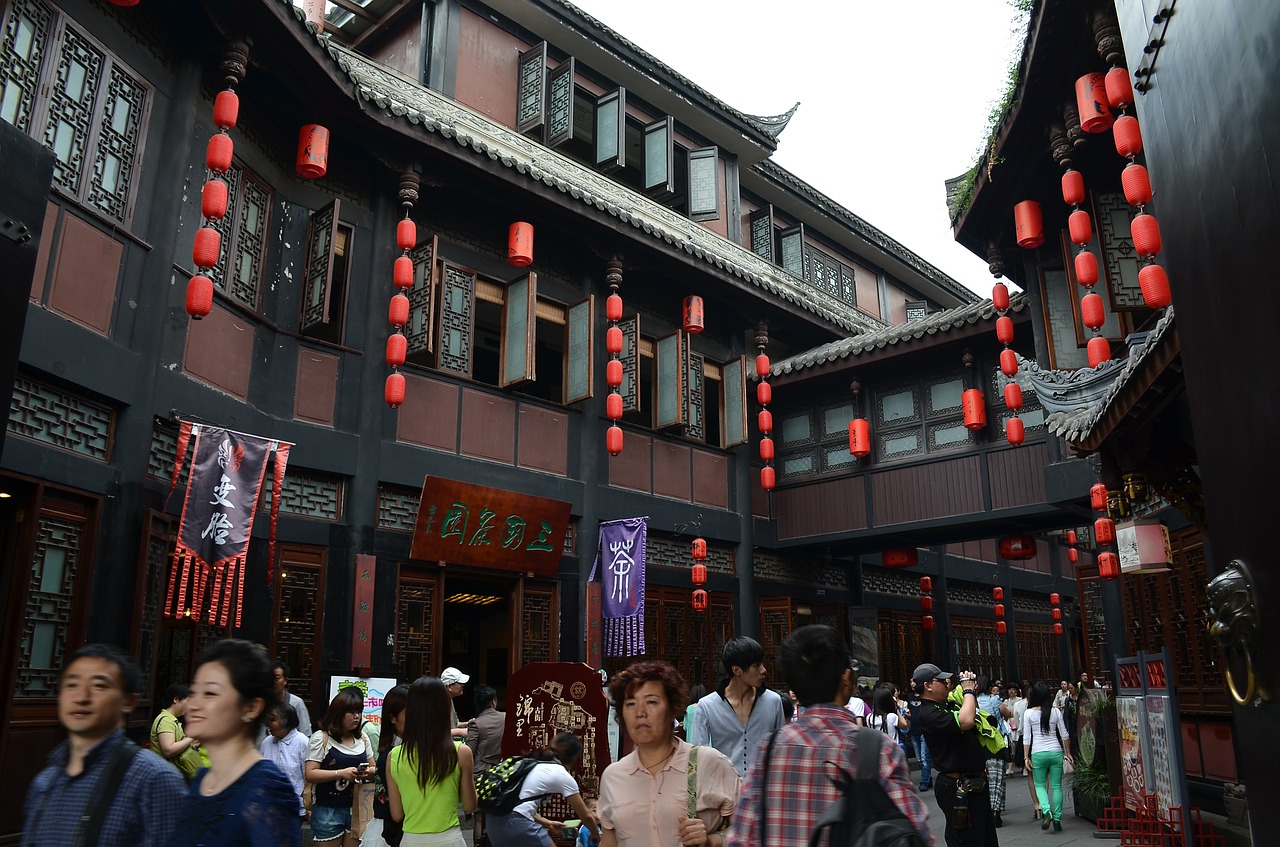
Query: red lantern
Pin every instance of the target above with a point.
(613, 440)
(1071, 539)
(764, 393)
(217, 157)
(406, 234)
(699, 600)
(397, 348)
(1000, 296)
(762, 366)
(1119, 88)
(402, 272)
(900, 557)
(1128, 136)
(1017, 547)
(1056, 614)
(699, 550)
(1008, 362)
(1086, 268)
(860, 437)
(699, 574)
(1073, 188)
(766, 449)
(1001, 627)
(313, 152)
(520, 244)
(1057, 629)
(613, 340)
(765, 421)
(1013, 396)
(613, 373)
(1015, 431)
(975, 410)
(1055, 599)
(927, 623)
(613, 308)
(1136, 183)
(393, 392)
(1099, 350)
(693, 315)
(226, 109)
(926, 604)
(997, 593)
(1091, 311)
(1080, 225)
(208, 242)
(768, 478)
(398, 312)
(999, 609)
(926, 583)
(613, 406)
(1098, 497)
(213, 199)
(1004, 329)
(1073, 555)
(1154, 283)
(1091, 102)
(1028, 224)
(199, 296)
(1108, 565)
(1146, 234)
(1104, 531)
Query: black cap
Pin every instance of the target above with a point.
(927, 672)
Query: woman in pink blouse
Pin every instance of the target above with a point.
(644, 795)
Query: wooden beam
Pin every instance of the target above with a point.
(382, 22)
(353, 8)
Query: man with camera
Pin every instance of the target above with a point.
(958, 755)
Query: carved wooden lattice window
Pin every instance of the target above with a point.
(61, 420)
(630, 388)
(519, 319)
(1038, 652)
(299, 618)
(660, 158)
(976, 647)
(559, 124)
(670, 369)
(704, 184)
(733, 416)
(695, 423)
(901, 644)
(1092, 618)
(791, 249)
(322, 238)
(457, 306)
(244, 235)
(538, 616)
(531, 88)
(153, 569)
(398, 507)
(1032, 413)
(611, 131)
(417, 610)
(1119, 258)
(48, 617)
(691, 641)
(777, 620)
(823, 271)
(579, 345)
(418, 333)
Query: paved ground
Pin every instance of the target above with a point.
(1019, 828)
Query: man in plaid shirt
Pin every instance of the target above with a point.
(781, 808)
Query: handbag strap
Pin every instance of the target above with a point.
(104, 794)
(691, 802)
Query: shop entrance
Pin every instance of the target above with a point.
(477, 635)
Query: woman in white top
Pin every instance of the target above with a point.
(524, 827)
(1044, 734)
(884, 714)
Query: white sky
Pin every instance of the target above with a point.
(894, 95)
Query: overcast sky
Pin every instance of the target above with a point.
(894, 96)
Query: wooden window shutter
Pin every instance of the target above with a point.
(630, 388)
(611, 131)
(704, 184)
(791, 249)
(777, 619)
(760, 231)
(579, 346)
(531, 89)
(559, 126)
(322, 232)
(695, 395)
(733, 416)
(519, 331)
(457, 319)
(422, 300)
(659, 158)
(670, 369)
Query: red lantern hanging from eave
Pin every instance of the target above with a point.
(226, 109)
(207, 245)
(397, 349)
(1073, 555)
(1092, 312)
(1108, 565)
(764, 420)
(1008, 362)
(1028, 224)
(217, 157)
(1001, 627)
(1056, 614)
(1000, 296)
(999, 610)
(313, 152)
(699, 574)
(613, 308)
(900, 557)
(1099, 350)
(613, 440)
(699, 600)
(926, 583)
(1057, 629)
(1073, 188)
(1086, 264)
(693, 315)
(402, 272)
(762, 366)
(1146, 234)
(1071, 539)
(1092, 103)
(926, 604)
(1136, 183)
(393, 392)
(613, 373)
(199, 297)
(1154, 283)
(764, 393)
(1080, 226)
(613, 340)
(768, 478)
(975, 409)
(1098, 497)
(1055, 599)
(1015, 431)
(1013, 396)
(125, 3)
(860, 437)
(1119, 88)
(213, 199)
(997, 593)
(926, 623)
(520, 244)
(613, 406)
(1104, 531)
(398, 310)
(766, 449)
(1128, 136)
(406, 234)
(1017, 548)
(699, 548)
(1004, 329)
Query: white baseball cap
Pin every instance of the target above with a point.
(452, 675)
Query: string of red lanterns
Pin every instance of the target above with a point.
(1104, 532)
(1055, 602)
(1015, 430)
(997, 594)
(699, 574)
(213, 202)
(1073, 554)
(402, 277)
(613, 370)
(764, 396)
(926, 603)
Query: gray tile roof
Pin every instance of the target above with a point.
(934, 324)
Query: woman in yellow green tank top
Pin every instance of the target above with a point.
(430, 773)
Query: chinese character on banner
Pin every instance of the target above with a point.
(227, 470)
(622, 555)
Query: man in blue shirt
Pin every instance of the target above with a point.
(742, 712)
(97, 691)
(916, 734)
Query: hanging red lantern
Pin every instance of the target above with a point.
(1108, 565)
(1056, 614)
(1086, 268)
(1000, 296)
(613, 406)
(762, 366)
(693, 314)
(1119, 88)
(1017, 547)
(208, 243)
(900, 557)
(1057, 629)
(1008, 362)
(1012, 396)
(766, 449)
(1055, 599)
(926, 604)
(1104, 531)
(765, 421)
(999, 610)
(397, 349)
(699, 548)
(406, 234)
(398, 311)
(613, 373)
(1015, 431)
(926, 583)
(1146, 234)
(613, 340)
(860, 438)
(1004, 329)
(226, 109)
(1154, 283)
(768, 478)
(613, 440)
(699, 600)
(313, 152)
(997, 593)
(927, 623)
(1136, 183)
(1098, 497)
(199, 296)
(764, 393)
(1091, 311)
(699, 574)
(1071, 539)
(1073, 188)
(975, 408)
(393, 392)
(1128, 136)
(613, 308)
(1091, 102)
(1080, 225)
(402, 272)
(1073, 555)
(213, 199)
(520, 244)
(217, 157)
(1001, 627)
(1099, 350)
(1028, 224)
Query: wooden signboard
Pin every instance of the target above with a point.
(469, 524)
(546, 698)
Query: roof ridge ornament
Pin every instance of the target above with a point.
(773, 125)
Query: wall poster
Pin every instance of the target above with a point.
(1129, 716)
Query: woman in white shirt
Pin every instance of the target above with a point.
(1044, 734)
(884, 714)
(524, 827)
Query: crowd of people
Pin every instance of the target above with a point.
(233, 759)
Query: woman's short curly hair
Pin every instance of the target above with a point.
(626, 681)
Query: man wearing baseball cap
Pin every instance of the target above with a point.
(453, 680)
(958, 756)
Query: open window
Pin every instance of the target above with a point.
(611, 131)
(456, 329)
(324, 290)
(704, 184)
(580, 345)
(531, 89)
(519, 325)
(659, 158)
(422, 298)
(760, 232)
(560, 98)
(733, 416)
(791, 249)
(671, 369)
(630, 388)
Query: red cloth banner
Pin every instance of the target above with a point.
(362, 612)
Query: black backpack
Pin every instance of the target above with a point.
(498, 788)
(864, 816)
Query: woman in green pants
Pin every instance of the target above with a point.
(1044, 737)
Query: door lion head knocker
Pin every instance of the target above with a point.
(1234, 623)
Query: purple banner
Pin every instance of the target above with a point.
(222, 494)
(622, 554)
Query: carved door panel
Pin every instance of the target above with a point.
(535, 622)
(418, 616)
(299, 620)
